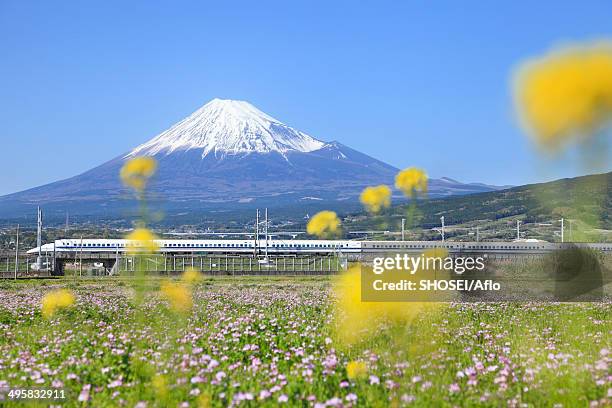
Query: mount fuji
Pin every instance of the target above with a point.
(228, 154)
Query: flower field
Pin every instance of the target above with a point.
(256, 341)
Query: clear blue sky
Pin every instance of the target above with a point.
(411, 83)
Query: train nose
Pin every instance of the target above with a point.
(44, 248)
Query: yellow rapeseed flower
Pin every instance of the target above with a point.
(136, 172)
(566, 94)
(160, 385)
(411, 181)
(204, 400)
(356, 369)
(178, 295)
(56, 300)
(356, 320)
(141, 241)
(323, 223)
(376, 198)
(191, 275)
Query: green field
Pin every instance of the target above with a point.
(254, 341)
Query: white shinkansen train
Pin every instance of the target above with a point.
(278, 246)
(274, 246)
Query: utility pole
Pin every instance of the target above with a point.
(81, 258)
(66, 229)
(562, 237)
(477, 234)
(570, 231)
(256, 231)
(518, 229)
(17, 252)
(403, 227)
(54, 259)
(442, 221)
(39, 261)
(266, 232)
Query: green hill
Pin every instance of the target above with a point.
(583, 202)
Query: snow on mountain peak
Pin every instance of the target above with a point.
(224, 126)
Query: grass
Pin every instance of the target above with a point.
(262, 340)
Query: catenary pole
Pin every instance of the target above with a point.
(17, 252)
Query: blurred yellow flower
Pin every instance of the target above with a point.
(376, 198)
(356, 369)
(191, 275)
(55, 300)
(323, 224)
(160, 385)
(178, 295)
(437, 253)
(204, 400)
(411, 181)
(136, 172)
(356, 320)
(566, 94)
(141, 241)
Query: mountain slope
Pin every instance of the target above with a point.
(227, 153)
(584, 202)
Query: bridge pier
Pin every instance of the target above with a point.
(58, 267)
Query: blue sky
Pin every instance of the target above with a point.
(410, 83)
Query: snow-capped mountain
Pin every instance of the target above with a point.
(224, 127)
(228, 154)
